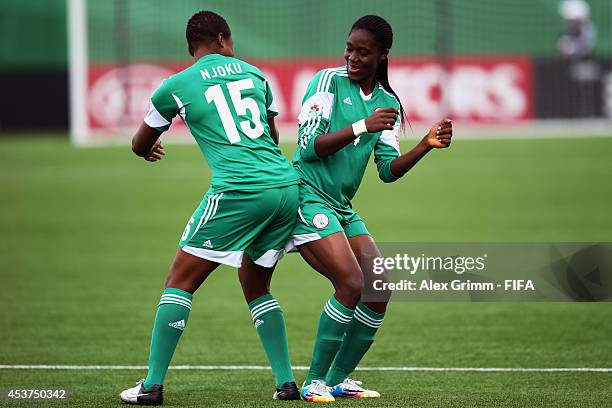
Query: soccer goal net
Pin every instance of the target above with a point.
(489, 65)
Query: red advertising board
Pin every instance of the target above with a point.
(484, 89)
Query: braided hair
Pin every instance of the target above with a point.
(204, 27)
(383, 36)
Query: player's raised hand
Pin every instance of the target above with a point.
(157, 152)
(440, 135)
(381, 119)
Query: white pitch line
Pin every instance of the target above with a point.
(263, 368)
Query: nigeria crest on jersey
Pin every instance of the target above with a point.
(315, 110)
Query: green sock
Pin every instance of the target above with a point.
(332, 325)
(270, 326)
(170, 321)
(358, 339)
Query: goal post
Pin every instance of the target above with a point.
(77, 50)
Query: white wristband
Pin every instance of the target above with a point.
(359, 128)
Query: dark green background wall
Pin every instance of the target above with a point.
(33, 32)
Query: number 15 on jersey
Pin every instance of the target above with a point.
(241, 105)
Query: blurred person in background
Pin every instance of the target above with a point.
(575, 46)
(577, 39)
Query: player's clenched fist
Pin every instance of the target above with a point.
(440, 135)
(381, 119)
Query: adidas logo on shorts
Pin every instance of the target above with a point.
(207, 244)
(180, 325)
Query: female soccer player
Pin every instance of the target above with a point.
(347, 113)
(246, 216)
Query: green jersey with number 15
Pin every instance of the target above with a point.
(226, 104)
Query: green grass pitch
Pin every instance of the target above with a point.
(87, 235)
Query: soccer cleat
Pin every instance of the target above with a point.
(316, 391)
(287, 391)
(139, 396)
(352, 389)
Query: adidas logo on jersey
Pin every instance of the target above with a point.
(258, 323)
(348, 101)
(180, 325)
(207, 244)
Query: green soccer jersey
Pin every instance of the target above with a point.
(226, 104)
(333, 102)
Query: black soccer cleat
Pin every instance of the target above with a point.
(287, 391)
(139, 396)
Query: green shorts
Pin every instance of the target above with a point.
(317, 219)
(226, 225)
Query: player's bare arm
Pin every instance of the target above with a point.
(146, 143)
(438, 137)
(330, 143)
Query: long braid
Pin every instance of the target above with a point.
(383, 34)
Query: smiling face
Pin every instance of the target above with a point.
(362, 55)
